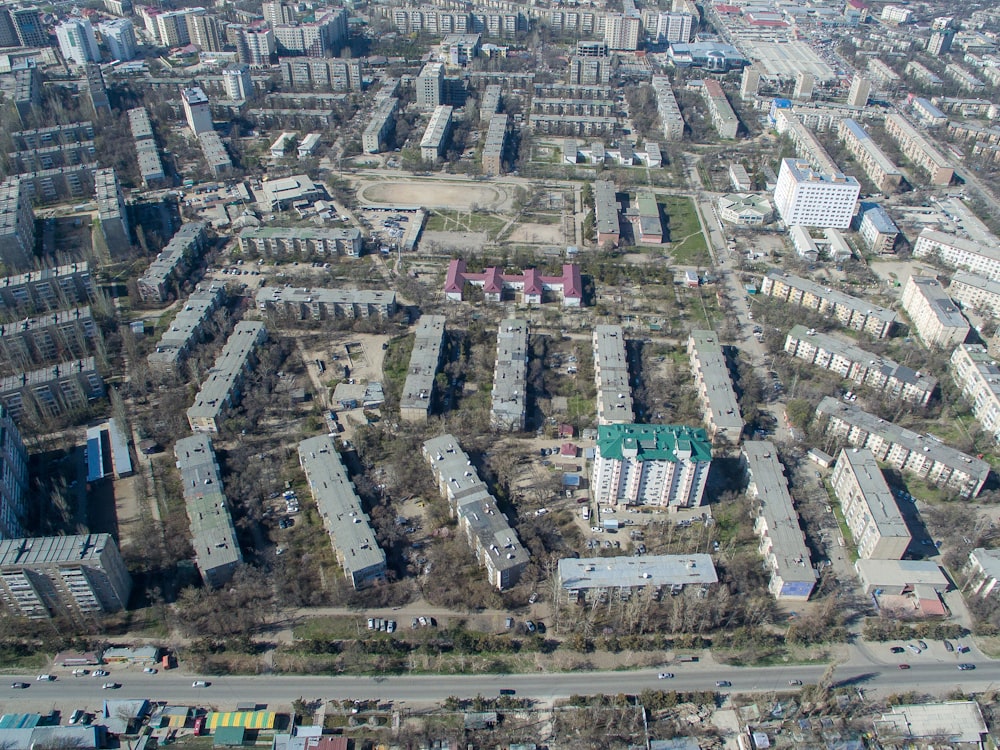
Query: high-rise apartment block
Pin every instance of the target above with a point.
(657, 465)
(48, 576)
(77, 41)
(813, 199)
(430, 85)
(13, 478)
(112, 212)
(258, 46)
(17, 227)
(674, 27)
(119, 36)
(622, 30)
(237, 82)
(197, 110)
(861, 87)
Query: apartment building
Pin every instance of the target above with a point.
(589, 71)
(876, 524)
(425, 358)
(52, 391)
(983, 571)
(656, 465)
(606, 207)
(853, 363)
(832, 244)
(320, 304)
(46, 339)
(879, 167)
(13, 478)
(173, 262)
(49, 289)
(723, 116)
(490, 103)
(494, 543)
(216, 157)
(495, 144)
(850, 312)
(977, 374)
(903, 449)
(186, 330)
(222, 389)
(715, 386)
(919, 150)
(614, 391)
(430, 86)
(885, 78)
(435, 139)
(598, 579)
(112, 213)
(978, 258)
(299, 242)
(213, 535)
(56, 135)
(813, 199)
(17, 226)
(807, 145)
(622, 30)
(310, 73)
(974, 292)
(49, 576)
(923, 74)
(965, 80)
(375, 137)
(59, 183)
(877, 229)
(782, 543)
(927, 114)
(859, 92)
(77, 41)
(936, 319)
(510, 376)
(344, 518)
(52, 157)
(197, 110)
(150, 164)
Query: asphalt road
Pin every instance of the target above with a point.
(68, 693)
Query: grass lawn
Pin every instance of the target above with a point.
(331, 628)
(684, 231)
(455, 221)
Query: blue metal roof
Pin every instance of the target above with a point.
(95, 459)
(877, 215)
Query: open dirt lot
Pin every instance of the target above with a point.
(551, 234)
(454, 195)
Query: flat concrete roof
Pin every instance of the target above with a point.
(424, 360)
(879, 502)
(838, 298)
(611, 370)
(217, 389)
(788, 545)
(186, 324)
(788, 58)
(340, 508)
(939, 302)
(710, 361)
(636, 572)
(53, 550)
(510, 376)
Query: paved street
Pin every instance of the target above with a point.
(68, 692)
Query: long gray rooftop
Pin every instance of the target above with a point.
(577, 574)
(711, 363)
(510, 376)
(875, 492)
(424, 360)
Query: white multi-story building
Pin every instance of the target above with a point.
(430, 86)
(851, 312)
(656, 465)
(803, 196)
(977, 374)
(974, 292)
(903, 449)
(674, 27)
(197, 110)
(869, 508)
(260, 46)
(435, 139)
(984, 571)
(667, 108)
(861, 87)
(979, 258)
(937, 320)
(237, 82)
(622, 30)
(877, 229)
(77, 41)
(119, 35)
(895, 14)
(860, 366)
(782, 543)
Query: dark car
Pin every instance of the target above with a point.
(897, 649)
(19, 685)
(723, 683)
(966, 667)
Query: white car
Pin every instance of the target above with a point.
(101, 673)
(44, 678)
(199, 684)
(150, 670)
(110, 686)
(665, 675)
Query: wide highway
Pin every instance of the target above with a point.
(68, 692)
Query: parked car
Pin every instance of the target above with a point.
(76, 716)
(948, 647)
(923, 645)
(913, 649)
(150, 670)
(530, 626)
(533, 598)
(508, 623)
(897, 649)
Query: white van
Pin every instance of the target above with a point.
(586, 512)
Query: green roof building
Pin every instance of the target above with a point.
(651, 464)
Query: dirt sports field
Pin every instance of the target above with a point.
(433, 194)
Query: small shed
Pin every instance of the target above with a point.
(567, 450)
(228, 736)
(566, 431)
(481, 720)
